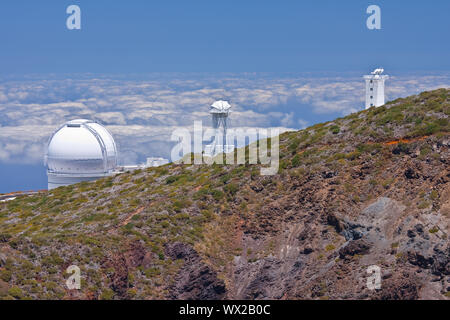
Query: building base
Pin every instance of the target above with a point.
(58, 180)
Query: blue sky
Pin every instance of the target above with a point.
(227, 36)
(144, 68)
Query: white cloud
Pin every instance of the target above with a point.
(302, 123)
(111, 117)
(288, 120)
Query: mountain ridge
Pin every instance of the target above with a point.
(368, 189)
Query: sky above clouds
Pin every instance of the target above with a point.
(134, 36)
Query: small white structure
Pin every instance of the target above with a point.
(220, 111)
(156, 162)
(8, 199)
(375, 88)
(151, 162)
(80, 150)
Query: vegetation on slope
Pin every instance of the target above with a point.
(117, 229)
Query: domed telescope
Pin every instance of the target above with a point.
(80, 150)
(220, 111)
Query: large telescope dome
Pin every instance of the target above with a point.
(80, 150)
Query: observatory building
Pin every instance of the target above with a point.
(219, 111)
(375, 88)
(80, 150)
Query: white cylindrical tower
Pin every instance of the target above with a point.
(375, 88)
(80, 150)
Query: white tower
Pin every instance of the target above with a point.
(219, 111)
(375, 88)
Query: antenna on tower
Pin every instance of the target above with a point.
(378, 71)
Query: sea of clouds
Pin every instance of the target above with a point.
(142, 111)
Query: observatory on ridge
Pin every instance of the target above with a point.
(80, 150)
(219, 111)
(375, 88)
(84, 150)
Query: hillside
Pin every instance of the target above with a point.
(372, 188)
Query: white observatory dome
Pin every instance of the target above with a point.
(81, 147)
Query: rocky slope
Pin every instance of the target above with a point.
(372, 188)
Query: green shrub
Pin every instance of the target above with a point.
(178, 205)
(293, 146)
(225, 178)
(52, 260)
(353, 155)
(152, 272)
(423, 205)
(5, 275)
(107, 294)
(15, 292)
(335, 129)
(171, 179)
(296, 161)
(392, 116)
(217, 194)
(433, 230)
(231, 189)
(201, 194)
(434, 195)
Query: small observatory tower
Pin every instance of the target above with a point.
(220, 111)
(80, 150)
(375, 88)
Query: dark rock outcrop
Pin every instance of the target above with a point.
(119, 277)
(195, 280)
(354, 247)
(411, 174)
(403, 286)
(122, 263)
(441, 264)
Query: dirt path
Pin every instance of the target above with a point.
(130, 216)
(394, 142)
